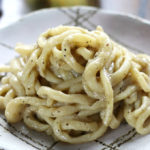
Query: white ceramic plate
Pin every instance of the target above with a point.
(128, 30)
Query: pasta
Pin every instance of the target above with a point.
(74, 84)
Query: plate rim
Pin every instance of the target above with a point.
(102, 11)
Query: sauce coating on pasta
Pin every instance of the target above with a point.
(74, 84)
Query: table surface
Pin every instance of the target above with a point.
(14, 9)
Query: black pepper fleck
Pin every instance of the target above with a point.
(27, 117)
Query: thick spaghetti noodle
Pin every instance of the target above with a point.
(74, 84)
